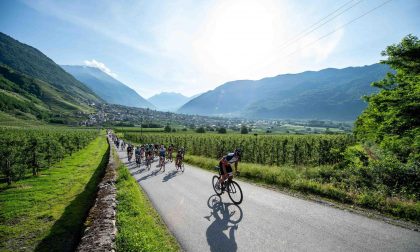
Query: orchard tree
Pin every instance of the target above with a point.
(221, 130)
(392, 118)
(167, 128)
(244, 130)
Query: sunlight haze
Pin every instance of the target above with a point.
(194, 46)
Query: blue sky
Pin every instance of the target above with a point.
(191, 46)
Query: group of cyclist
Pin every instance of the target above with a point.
(149, 151)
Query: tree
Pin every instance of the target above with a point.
(392, 117)
(221, 130)
(167, 128)
(244, 130)
(200, 130)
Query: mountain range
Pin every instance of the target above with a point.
(106, 87)
(329, 94)
(169, 101)
(33, 86)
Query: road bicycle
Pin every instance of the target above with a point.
(231, 187)
(162, 163)
(138, 160)
(148, 161)
(169, 156)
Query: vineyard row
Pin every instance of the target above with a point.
(270, 150)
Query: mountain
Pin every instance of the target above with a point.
(34, 64)
(329, 94)
(28, 98)
(33, 87)
(106, 87)
(168, 101)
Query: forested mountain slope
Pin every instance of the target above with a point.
(334, 94)
(33, 63)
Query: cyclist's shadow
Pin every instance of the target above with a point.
(221, 215)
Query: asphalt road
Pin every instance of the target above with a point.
(265, 221)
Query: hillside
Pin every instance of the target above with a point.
(329, 94)
(106, 87)
(33, 63)
(168, 101)
(28, 98)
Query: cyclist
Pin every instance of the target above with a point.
(129, 152)
(152, 151)
(156, 148)
(225, 165)
(170, 150)
(142, 151)
(138, 157)
(149, 155)
(179, 157)
(162, 152)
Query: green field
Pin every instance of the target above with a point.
(46, 212)
(140, 228)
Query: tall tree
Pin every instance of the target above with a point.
(392, 118)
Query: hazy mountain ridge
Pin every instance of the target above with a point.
(106, 87)
(333, 94)
(169, 101)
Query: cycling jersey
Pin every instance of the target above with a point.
(162, 152)
(230, 158)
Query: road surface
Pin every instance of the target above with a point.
(265, 221)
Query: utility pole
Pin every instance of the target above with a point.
(141, 129)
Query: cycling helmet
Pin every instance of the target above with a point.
(238, 152)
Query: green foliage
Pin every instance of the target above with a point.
(392, 116)
(140, 228)
(221, 130)
(244, 130)
(167, 128)
(24, 150)
(200, 130)
(46, 213)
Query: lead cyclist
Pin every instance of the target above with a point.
(225, 165)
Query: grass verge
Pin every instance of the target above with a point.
(305, 180)
(46, 213)
(140, 228)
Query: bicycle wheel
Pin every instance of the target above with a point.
(216, 185)
(235, 192)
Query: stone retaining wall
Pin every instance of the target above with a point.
(101, 229)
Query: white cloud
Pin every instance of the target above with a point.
(101, 66)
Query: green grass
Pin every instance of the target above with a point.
(140, 228)
(46, 213)
(308, 180)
